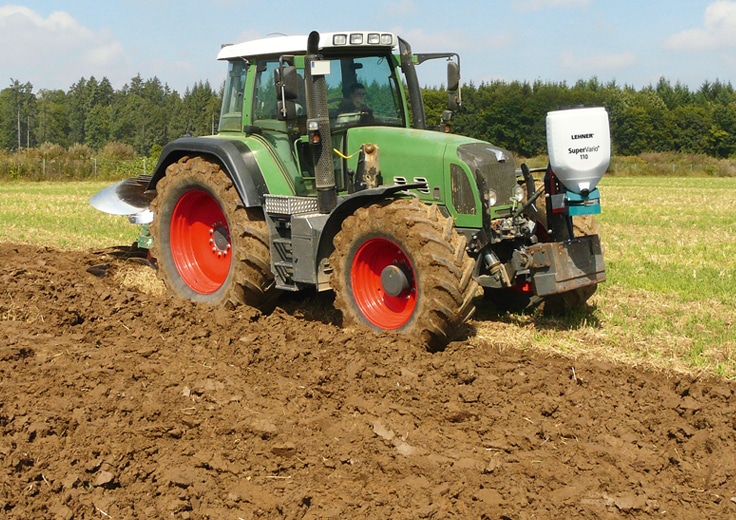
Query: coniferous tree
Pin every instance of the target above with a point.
(17, 114)
(146, 114)
(52, 125)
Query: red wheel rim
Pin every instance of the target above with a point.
(200, 242)
(381, 309)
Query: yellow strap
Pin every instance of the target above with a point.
(338, 152)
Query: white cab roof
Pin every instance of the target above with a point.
(277, 45)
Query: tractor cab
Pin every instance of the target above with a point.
(265, 97)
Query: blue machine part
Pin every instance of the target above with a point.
(578, 204)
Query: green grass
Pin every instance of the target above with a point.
(669, 245)
(57, 215)
(669, 300)
(670, 250)
(671, 236)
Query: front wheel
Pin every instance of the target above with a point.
(209, 248)
(401, 266)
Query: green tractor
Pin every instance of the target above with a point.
(325, 175)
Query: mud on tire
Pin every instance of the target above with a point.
(420, 246)
(208, 246)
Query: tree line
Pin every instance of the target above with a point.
(659, 118)
(143, 114)
(146, 114)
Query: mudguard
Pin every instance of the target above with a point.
(347, 204)
(235, 156)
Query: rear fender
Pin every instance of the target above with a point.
(235, 157)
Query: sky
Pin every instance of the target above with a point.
(53, 44)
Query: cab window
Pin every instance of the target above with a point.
(364, 90)
(265, 102)
(231, 116)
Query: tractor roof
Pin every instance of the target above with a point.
(278, 45)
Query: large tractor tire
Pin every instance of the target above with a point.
(209, 248)
(401, 266)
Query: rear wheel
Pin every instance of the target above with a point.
(202, 233)
(401, 266)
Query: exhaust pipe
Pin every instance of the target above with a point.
(318, 125)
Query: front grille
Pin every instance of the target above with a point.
(493, 169)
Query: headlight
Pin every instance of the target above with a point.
(492, 198)
(518, 193)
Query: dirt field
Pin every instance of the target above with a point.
(117, 404)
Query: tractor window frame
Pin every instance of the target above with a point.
(265, 95)
(231, 112)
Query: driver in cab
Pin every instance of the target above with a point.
(355, 104)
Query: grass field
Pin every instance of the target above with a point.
(56, 214)
(669, 300)
(669, 244)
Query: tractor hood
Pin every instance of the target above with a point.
(407, 152)
(450, 164)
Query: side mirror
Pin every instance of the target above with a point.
(286, 80)
(453, 76)
(453, 86)
(288, 110)
(453, 102)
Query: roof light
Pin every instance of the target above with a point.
(339, 39)
(387, 39)
(356, 39)
(374, 39)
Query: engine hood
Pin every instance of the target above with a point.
(407, 152)
(459, 171)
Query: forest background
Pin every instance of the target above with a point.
(95, 131)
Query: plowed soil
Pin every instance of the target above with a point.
(118, 404)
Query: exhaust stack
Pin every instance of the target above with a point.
(318, 125)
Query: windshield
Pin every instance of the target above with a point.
(363, 91)
(360, 91)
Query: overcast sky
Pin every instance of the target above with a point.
(635, 42)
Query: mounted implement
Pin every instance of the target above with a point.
(324, 175)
